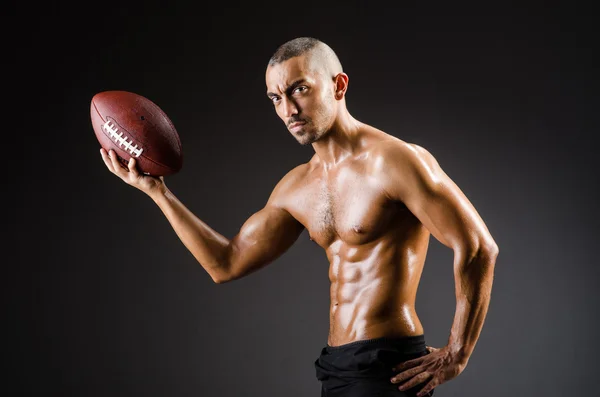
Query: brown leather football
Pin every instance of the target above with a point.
(134, 126)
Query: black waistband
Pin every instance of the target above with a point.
(367, 359)
(401, 342)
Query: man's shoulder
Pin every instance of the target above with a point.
(291, 181)
(390, 151)
(402, 166)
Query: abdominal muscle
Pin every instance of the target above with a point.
(374, 296)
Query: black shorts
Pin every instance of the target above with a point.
(364, 368)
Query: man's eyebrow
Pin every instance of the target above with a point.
(290, 87)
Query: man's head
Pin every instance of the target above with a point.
(306, 84)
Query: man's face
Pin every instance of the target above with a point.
(303, 98)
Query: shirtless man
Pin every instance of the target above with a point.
(371, 201)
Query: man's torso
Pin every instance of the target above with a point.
(375, 246)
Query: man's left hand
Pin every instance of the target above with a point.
(435, 368)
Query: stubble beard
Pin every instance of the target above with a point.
(310, 137)
(314, 133)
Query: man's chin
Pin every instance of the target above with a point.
(306, 140)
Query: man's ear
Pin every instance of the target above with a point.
(341, 85)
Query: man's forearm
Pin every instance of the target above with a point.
(474, 278)
(205, 244)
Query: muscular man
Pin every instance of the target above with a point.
(371, 201)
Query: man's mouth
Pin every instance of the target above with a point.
(296, 124)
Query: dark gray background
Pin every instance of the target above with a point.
(102, 298)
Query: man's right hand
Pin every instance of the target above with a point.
(131, 175)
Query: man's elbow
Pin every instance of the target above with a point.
(478, 261)
(491, 250)
(488, 252)
(227, 277)
(479, 250)
(221, 274)
(220, 280)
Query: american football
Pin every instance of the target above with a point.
(134, 126)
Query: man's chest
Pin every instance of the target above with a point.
(349, 205)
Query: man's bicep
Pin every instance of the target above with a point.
(264, 237)
(435, 199)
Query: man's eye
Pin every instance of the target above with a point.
(300, 89)
(274, 99)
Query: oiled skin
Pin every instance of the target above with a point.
(371, 201)
(375, 246)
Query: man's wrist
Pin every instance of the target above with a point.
(459, 352)
(159, 193)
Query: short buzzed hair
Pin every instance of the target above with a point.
(303, 45)
(293, 48)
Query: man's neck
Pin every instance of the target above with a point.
(339, 143)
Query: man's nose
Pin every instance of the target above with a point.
(289, 108)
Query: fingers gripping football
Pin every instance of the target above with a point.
(129, 173)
